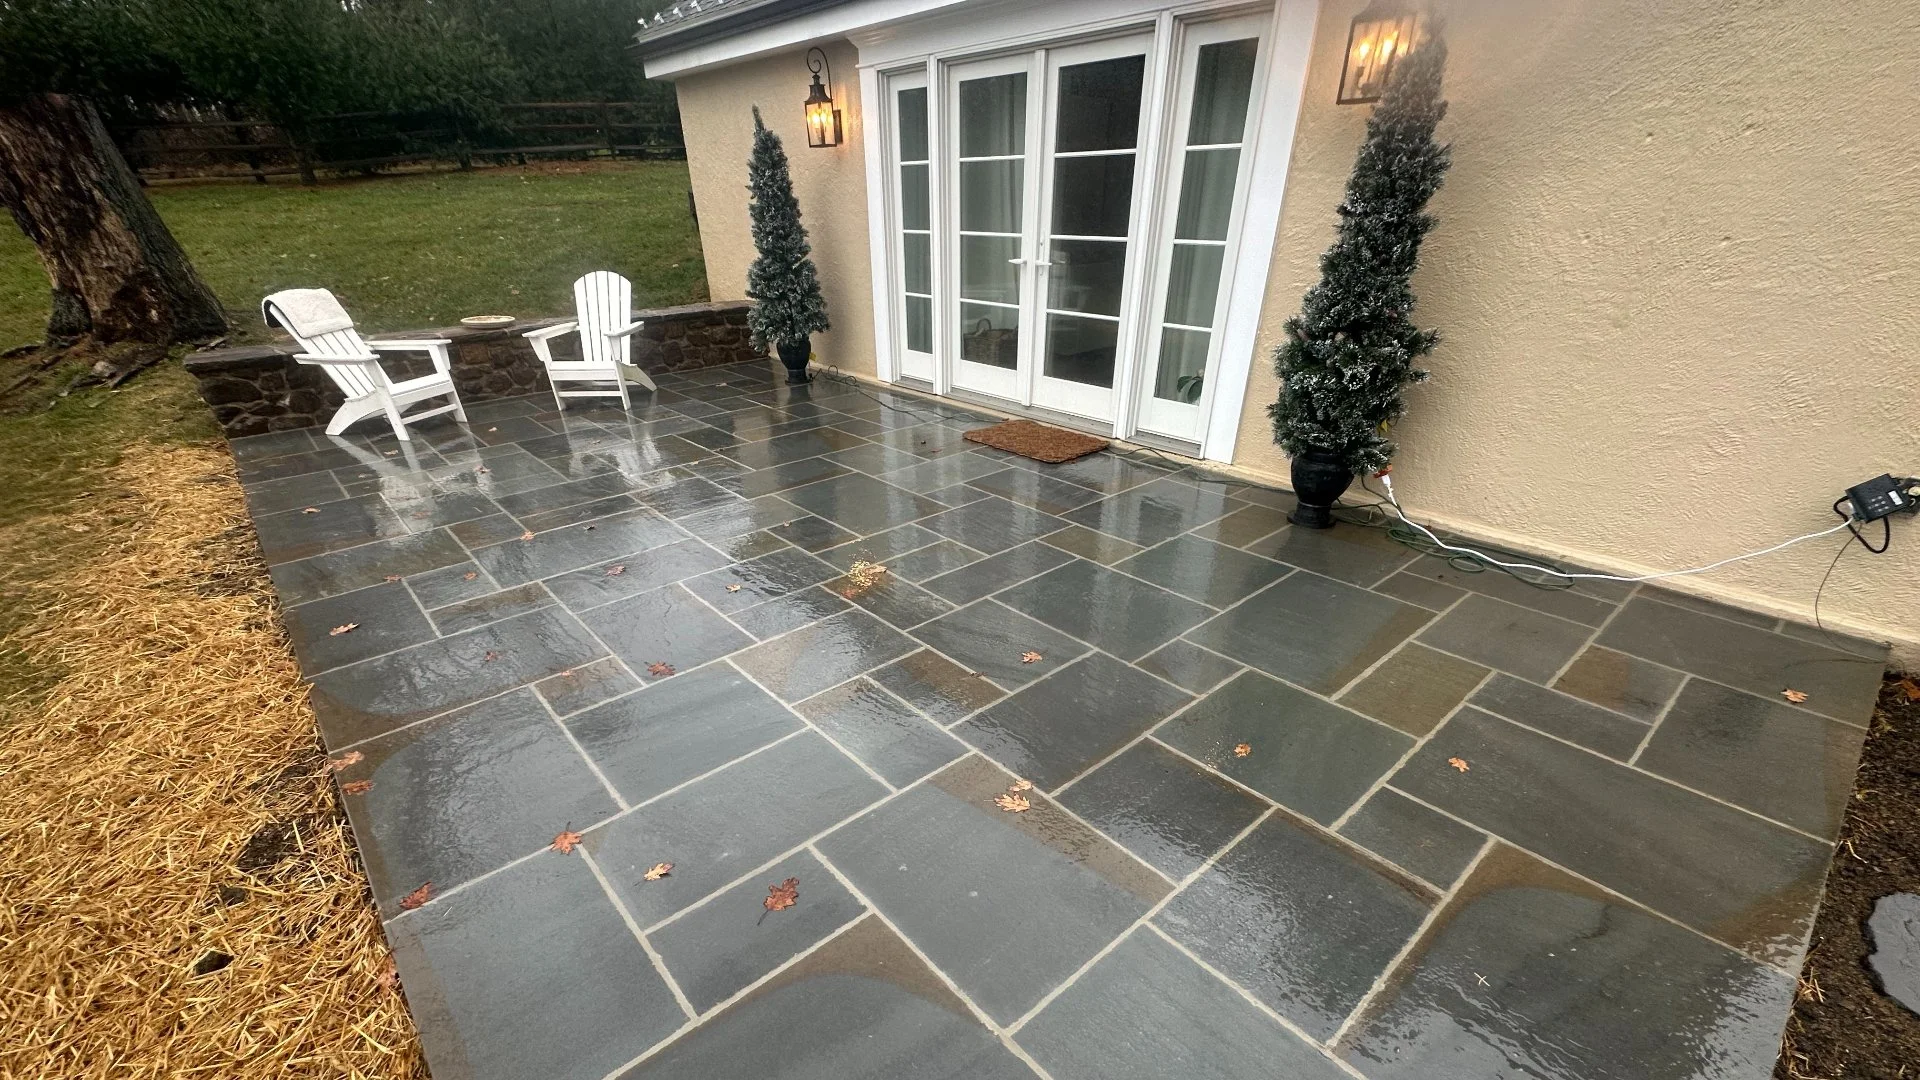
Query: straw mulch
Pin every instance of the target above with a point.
(165, 808)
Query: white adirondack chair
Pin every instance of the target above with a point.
(325, 334)
(603, 310)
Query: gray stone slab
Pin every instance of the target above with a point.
(1056, 728)
(593, 586)
(1506, 637)
(494, 1002)
(1726, 873)
(993, 524)
(899, 602)
(1112, 611)
(1358, 556)
(1203, 570)
(1418, 590)
(383, 618)
(724, 825)
(1531, 973)
(678, 728)
(1162, 807)
(1625, 684)
(1593, 727)
(789, 612)
(1837, 684)
(449, 584)
(1582, 603)
(1303, 923)
(806, 661)
(1153, 512)
(937, 686)
(1311, 630)
(1106, 473)
(732, 519)
(996, 572)
(882, 548)
(557, 496)
(365, 699)
(292, 535)
(759, 580)
(1047, 494)
(1414, 689)
(758, 482)
(1894, 929)
(874, 726)
(606, 541)
(863, 1005)
(1304, 752)
(991, 638)
(492, 607)
(1419, 840)
(1008, 905)
(1767, 756)
(726, 944)
(1245, 525)
(927, 477)
(585, 686)
(1185, 664)
(1147, 1010)
(666, 626)
(932, 561)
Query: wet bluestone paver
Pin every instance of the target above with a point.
(1248, 850)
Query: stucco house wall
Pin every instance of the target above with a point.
(831, 184)
(1673, 275)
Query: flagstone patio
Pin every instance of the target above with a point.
(1304, 804)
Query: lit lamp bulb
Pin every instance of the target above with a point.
(823, 120)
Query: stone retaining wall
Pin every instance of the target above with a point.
(259, 388)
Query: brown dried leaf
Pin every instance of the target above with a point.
(659, 669)
(1013, 804)
(733, 588)
(1911, 688)
(349, 758)
(417, 897)
(528, 535)
(469, 575)
(783, 896)
(391, 577)
(1795, 696)
(1242, 749)
(483, 469)
(658, 871)
(1458, 763)
(343, 628)
(492, 429)
(356, 787)
(616, 571)
(564, 843)
(1020, 785)
(1030, 656)
(310, 510)
(490, 657)
(389, 976)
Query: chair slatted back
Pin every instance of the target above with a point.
(603, 301)
(353, 381)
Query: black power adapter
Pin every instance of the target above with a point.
(1883, 496)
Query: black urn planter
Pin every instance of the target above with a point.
(795, 354)
(1319, 477)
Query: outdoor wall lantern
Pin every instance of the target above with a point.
(823, 120)
(1380, 36)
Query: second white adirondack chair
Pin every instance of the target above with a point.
(324, 331)
(603, 310)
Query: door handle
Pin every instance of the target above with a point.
(1018, 261)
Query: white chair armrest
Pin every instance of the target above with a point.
(311, 358)
(413, 344)
(625, 331)
(553, 331)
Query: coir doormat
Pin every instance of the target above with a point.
(1037, 441)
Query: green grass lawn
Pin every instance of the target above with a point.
(419, 250)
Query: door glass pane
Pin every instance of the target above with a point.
(1193, 283)
(1100, 105)
(912, 115)
(1086, 275)
(1183, 364)
(913, 197)
(990, 196)
(1092, 196)
(985, 273)
(1081, 350)
(917, 252)
(1222, 82)
(920, 323)
(989, 335)
(1206, 194)
(993, 116)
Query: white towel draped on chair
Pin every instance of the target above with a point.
(306, 313)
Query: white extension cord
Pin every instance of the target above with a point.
(1535, 567)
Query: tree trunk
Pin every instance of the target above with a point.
(117, 273)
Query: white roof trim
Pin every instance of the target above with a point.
(838, 21)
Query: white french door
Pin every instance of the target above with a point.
(1061, 221)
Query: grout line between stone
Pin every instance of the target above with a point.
(659, 962)
(813, 727)
(1419, 743)
(594, 766)
(1654, 725)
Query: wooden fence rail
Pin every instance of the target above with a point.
(208, 143)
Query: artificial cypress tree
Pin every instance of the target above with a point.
(783, 279)
(1349, 353)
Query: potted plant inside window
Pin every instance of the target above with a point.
(1350, 352)
(783, 281)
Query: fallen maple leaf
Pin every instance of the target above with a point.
(1795, 696)
(483, 469)
(1912, 689)
(389, 976)
(393, 453)
(491, 429)
(311, 510)
(1013, 804)
(590, 528)
(528, 535)
(1020, 785)
(1242, 749)
(392, 577)
(469, 575)
(356, 787)
(567, 674)
(417, 897)
(490, 657)
(616, 571)
(1030, 656)
(658, 871)
(564, 843)
(1458, 763)
(783, 896)
(343, 628)
(733, 588)
(349, 758)
(659, 669)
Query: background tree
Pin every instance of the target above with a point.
(1349, 354)
(782, 279)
